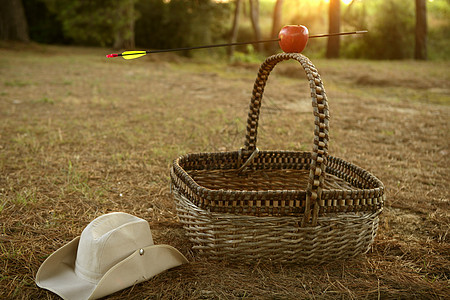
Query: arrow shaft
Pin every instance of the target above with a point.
(338, 33)
(241, 43)
(212, 46)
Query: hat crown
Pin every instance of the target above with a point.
(108, 240)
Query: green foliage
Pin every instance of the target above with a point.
(439, 29)
(439, 43)
(391, 26)
(90, 22)
(392, 34)
(180, 23)
(44, 26)
(245, 33)
(248, 56)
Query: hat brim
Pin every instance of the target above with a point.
(57, 272)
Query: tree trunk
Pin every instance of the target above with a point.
(254, 16)
(13, 23)
(125, 33)
(334, 14)
(235, 28)
(421, 30)
(276, 25)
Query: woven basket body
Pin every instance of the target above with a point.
(284, 206)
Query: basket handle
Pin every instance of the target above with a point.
(321, 121)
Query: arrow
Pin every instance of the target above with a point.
(137, 54)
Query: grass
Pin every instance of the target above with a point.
(81, 136)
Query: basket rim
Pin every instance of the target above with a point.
(329, 197)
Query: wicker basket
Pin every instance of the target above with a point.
(283, 206)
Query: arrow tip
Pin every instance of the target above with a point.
(112, 55)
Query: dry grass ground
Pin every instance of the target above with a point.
(81, 136)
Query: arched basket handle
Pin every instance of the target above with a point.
(321, 122)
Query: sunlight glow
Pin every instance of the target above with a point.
(346, 2)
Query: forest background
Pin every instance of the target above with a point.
(395, 26)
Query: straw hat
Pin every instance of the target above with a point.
(114, 251)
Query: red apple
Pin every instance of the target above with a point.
(293, 38)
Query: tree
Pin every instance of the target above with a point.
(124, 37)
(235, 27)
(13, 23)
(254, 16)
(334, 24)
(421, 30)
(276, 24)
